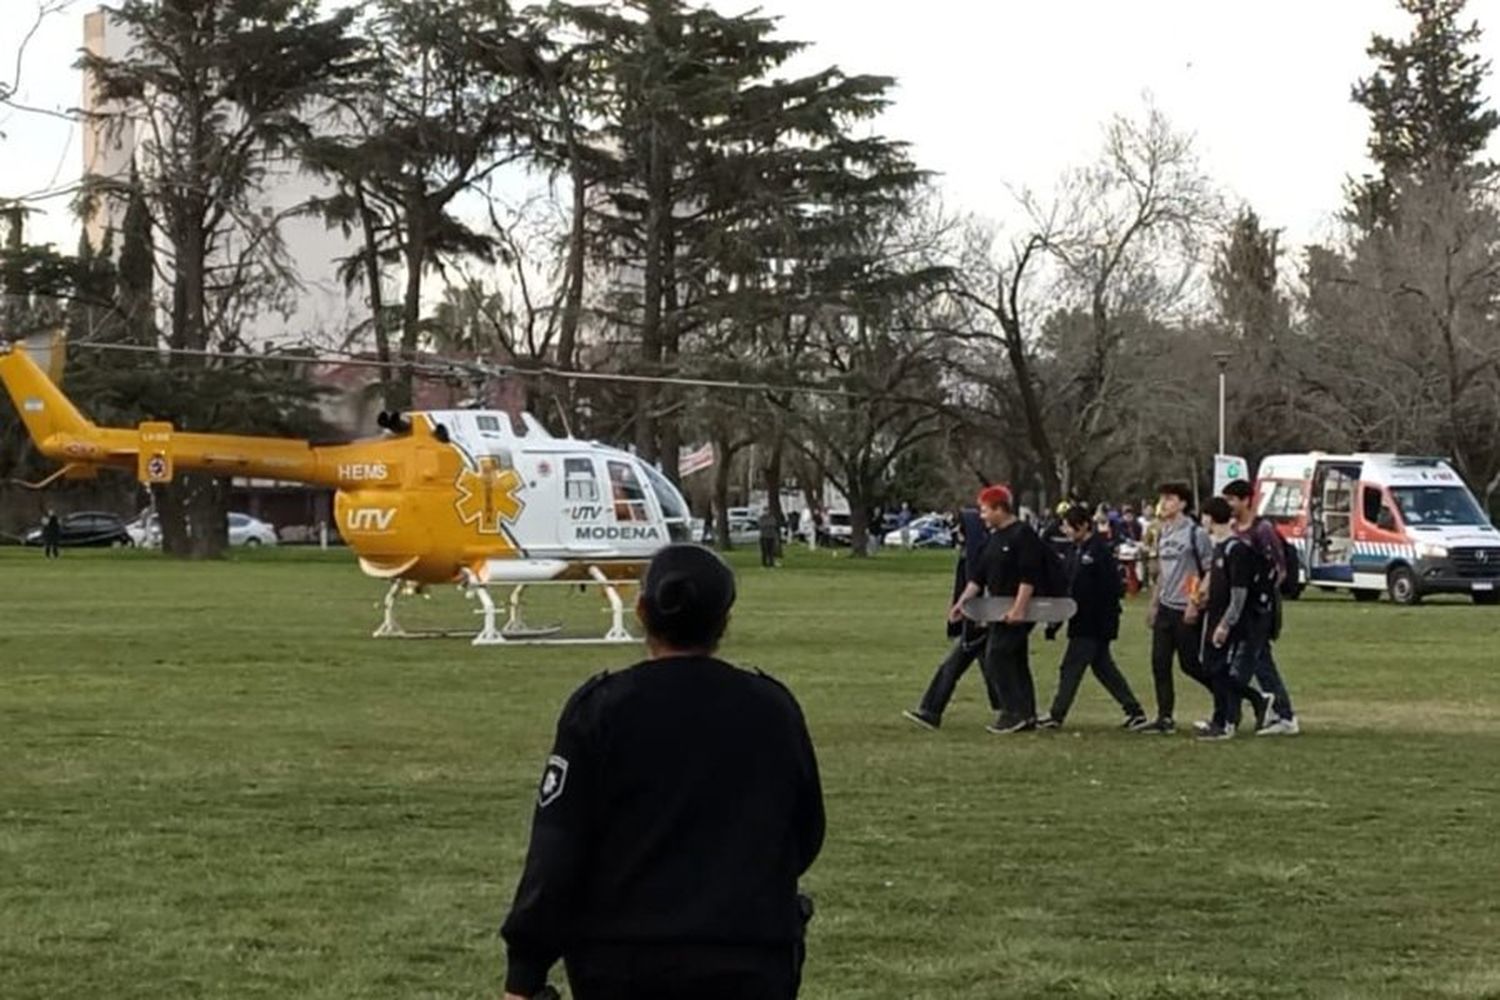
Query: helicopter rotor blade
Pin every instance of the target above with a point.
(455, 369)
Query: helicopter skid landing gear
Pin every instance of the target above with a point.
(515, 630)
(489, 635)
(390, 628)
(617, 630)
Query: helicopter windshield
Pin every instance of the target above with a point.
(673, 508)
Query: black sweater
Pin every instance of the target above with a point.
(1095, 589)
(680, 805)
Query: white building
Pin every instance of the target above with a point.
(318, 309)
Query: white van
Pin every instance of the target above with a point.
(1400, 524)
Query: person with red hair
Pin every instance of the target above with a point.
(1012, 565)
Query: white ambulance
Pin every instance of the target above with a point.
(1370, 523)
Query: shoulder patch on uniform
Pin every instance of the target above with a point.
(554, 780)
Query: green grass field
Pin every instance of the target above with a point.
(213, 784)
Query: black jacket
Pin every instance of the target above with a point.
(680, 805)
(969, 554)
(1095, 588)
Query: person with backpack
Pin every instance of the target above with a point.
(1095, 586)
(1267, 541)
(1183, 554)
(1014, 564)
(968, 638)
(1237, 620)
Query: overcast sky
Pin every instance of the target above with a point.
(993, 94)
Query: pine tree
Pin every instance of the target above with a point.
(215, 92)
(1428, 113)
(447, 101)
(1244, 277)
(136, 269)
(715, 180)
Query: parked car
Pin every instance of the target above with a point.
(86, 529)
(930, 531)
(247, 530)
(145, 530)
(742, 530)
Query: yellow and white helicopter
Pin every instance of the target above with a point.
(443, 496)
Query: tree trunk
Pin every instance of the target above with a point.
(773, 478)
(402, 394)
(658, 221)
(721, 494)
(207, 515)
(669, 426)
(1036, 428)
(192, 520)
(371, 255)
(859, 525)
(567, 335)
(171, 515)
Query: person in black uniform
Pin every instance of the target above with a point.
(1238, 618)
(968, 637)
(1094, 583)
(51, 536)
(678, 809)
(1011, 566)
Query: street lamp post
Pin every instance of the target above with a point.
(1222, 358)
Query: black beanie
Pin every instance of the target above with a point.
(686, 596)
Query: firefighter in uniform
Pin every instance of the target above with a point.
(679, 807)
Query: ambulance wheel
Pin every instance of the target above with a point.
(1402, 584)
(1487, 599)
(1367, 596)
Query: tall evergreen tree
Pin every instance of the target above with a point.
(717, 178)
(1428, 113)
(213, 92)
(136, 270)
(447, 101)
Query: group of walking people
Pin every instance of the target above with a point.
(681, 802)
(1215, 609)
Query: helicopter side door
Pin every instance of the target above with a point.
(586, 514)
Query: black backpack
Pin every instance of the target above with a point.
(1262, 577)
(1055, 580)
(1291, 584)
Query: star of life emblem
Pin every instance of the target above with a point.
(554, 777)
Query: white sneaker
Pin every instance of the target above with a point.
(1202, 726)
(1281, 727)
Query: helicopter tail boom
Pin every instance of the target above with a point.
(156, 451)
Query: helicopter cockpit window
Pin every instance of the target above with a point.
(628, 495)
(672, 506)
(579, 482)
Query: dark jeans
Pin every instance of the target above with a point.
(1268, 676)
(768, 552)
(685, 973)
(1007, 666)
(1081, 655)
(1172, 635)
(966, 650)
(1235, 665)
(51, 550)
